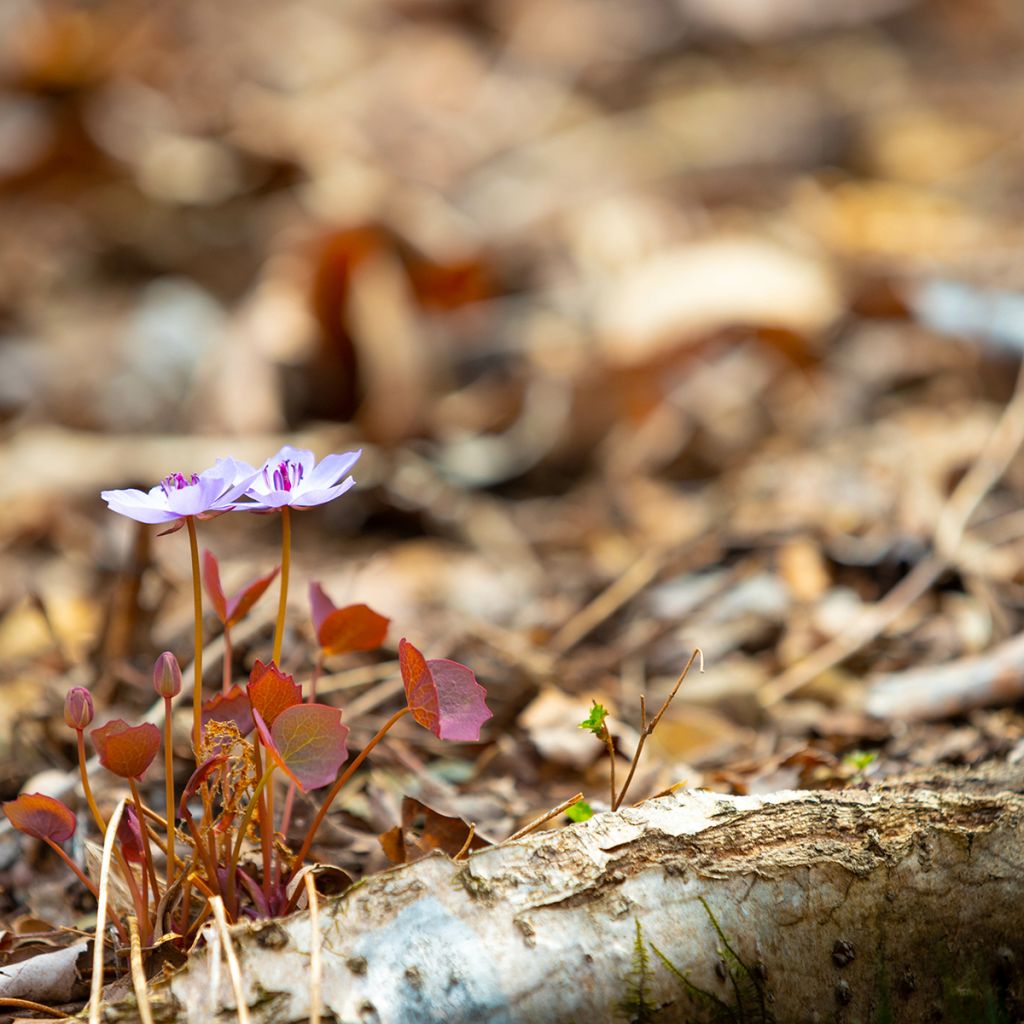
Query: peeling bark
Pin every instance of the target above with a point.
(832, 906)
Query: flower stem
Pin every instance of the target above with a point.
(86, 788)
(197, 664)
(228, 657)
(243, 825)
(168, 788)
(150, 871)
(336, 788)
(286, 560)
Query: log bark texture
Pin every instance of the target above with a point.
(886, 904)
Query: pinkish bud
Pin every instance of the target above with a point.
(167, 675)
(78, 708)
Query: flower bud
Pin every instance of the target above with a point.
(78, 708)
(167, 675)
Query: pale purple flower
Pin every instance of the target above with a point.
(294, 478)
(205, 494)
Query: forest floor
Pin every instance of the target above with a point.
(661, 328)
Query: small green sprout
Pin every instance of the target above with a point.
(579, 811)
(594, 722)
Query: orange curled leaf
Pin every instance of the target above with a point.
(308, 743)
(356, 627)
(271, 691)
(41, 817)
(126, 750)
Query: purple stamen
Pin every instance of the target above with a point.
(177, 482)
(286, 476)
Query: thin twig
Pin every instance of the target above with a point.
(545, 817)
(315, 942)
(609, 601)
(27, 1004)
(96, 989)
(646, 728)
(234, 970)
(469, 841)
(610, 744)
(139, 973)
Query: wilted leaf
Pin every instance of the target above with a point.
(233, 706)
(424, 829)
(41, 816)
(308, 743)
(126, 750)
(198, 777)
(271, 691)
(393, 844)
(443, 695)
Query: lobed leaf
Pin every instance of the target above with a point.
(41, 817)
(126, 750)
(444, 696)
(272, 691)
(308, 742)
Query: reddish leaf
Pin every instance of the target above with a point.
(129, 836)
(233, 706)
(353, 628)
(321, 605)
(443, 695)
(247, 596)
(41, 817)
(271, 691)
(308, 743)
(126, 750)
(211, 584)
(232, 610)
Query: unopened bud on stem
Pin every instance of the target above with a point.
(78, 708)
(167, 675)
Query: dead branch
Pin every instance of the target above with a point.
(803, 901)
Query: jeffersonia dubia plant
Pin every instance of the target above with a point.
(243, 736)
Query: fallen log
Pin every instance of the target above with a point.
(858, 905)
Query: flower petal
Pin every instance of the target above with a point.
(308, 499)
(331, 469)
